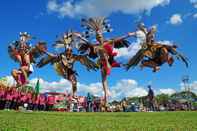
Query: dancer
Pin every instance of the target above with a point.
(154, 54)
(64, 62)
(21, 52)
(103, 50)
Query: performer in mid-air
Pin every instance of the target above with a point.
(64, 62)
(153, 54)
(103, 49)
(21, 52)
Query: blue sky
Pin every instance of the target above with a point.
(45, 23)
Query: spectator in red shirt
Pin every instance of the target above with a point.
(2, 98)
(14, 98)
(42, 102)
(18, 98)
(23, 98)
(36, 102)
(50, 102)
(29, 100)
(9, 98)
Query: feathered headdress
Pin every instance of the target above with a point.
(97, 25)
(25, 34)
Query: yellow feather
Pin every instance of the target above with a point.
(58, 68)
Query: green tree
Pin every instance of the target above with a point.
(163, 99)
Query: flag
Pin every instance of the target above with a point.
(37, 87)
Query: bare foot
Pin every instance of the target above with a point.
(170, 61)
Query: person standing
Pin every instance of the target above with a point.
(35, 102)
(50, 102)
(42, 102)
(14, 99)
(23, 99)
(9, 98)
(30, 100)
(151, 98)
(2, 98)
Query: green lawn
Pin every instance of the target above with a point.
(55, 121)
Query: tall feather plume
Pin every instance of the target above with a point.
(94, 25)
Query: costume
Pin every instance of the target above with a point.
(154, 54)
(21, 52)
(63, 62)
(102, 50)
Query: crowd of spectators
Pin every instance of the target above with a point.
(13, 98)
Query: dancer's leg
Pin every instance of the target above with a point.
(73, 80)
(105, 86)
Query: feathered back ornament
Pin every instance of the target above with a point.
(96, 25)
(66, 41)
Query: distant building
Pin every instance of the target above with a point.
(65, 102)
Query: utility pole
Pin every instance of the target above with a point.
(185, 80)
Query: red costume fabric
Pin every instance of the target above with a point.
(111, 53)
(22, 79)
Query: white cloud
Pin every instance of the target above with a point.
(168, 91)
(128, 52)
(194, 87)
(65, 86)
(102, 7)
(195, 5)
(194, 2)
(126, 88)
(176, 19)
(52, 5)
(195, 16)
(93, 88)
(56, 86)
(166, 42)
(123, 88)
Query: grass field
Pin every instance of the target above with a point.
(55, 121)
